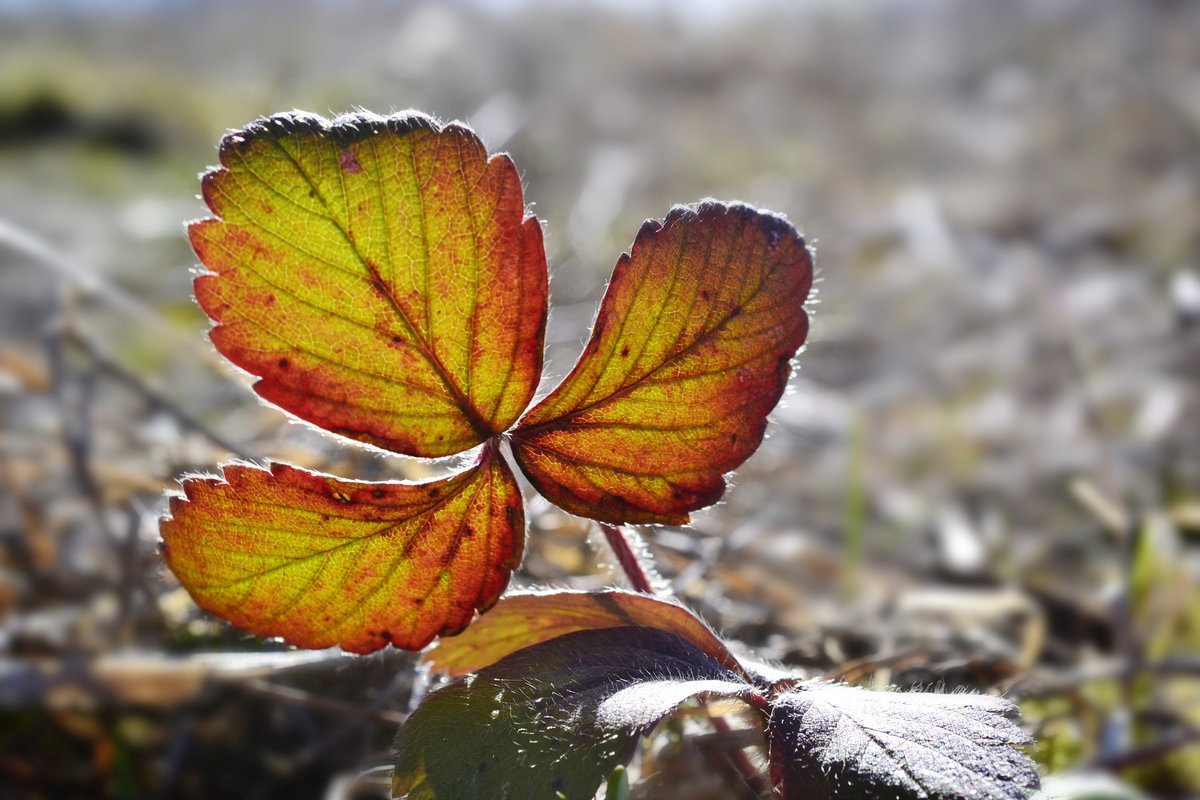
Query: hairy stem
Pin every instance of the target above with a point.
(639, 578)
(631, 565)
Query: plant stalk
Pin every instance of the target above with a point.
(631, 565)
(639, 579)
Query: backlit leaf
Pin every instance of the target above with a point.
(378, 275)
(689, 352)
(836, 741)
(521, 620)
(321, 561)
(554, 717)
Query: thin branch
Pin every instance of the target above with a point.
(74, 400)
(1149, 753)
(289, 694)
(156, 399)
(1033, 685)
(87, 279)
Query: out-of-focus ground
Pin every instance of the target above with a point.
(986, 475)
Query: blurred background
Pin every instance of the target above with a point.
(986, 474)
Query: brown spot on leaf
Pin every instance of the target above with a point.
(349, 162)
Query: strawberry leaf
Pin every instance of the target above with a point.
(321, 561)
(378, 275)
(835, 741)
(556, 717)
(522, 620)
(689, 352)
